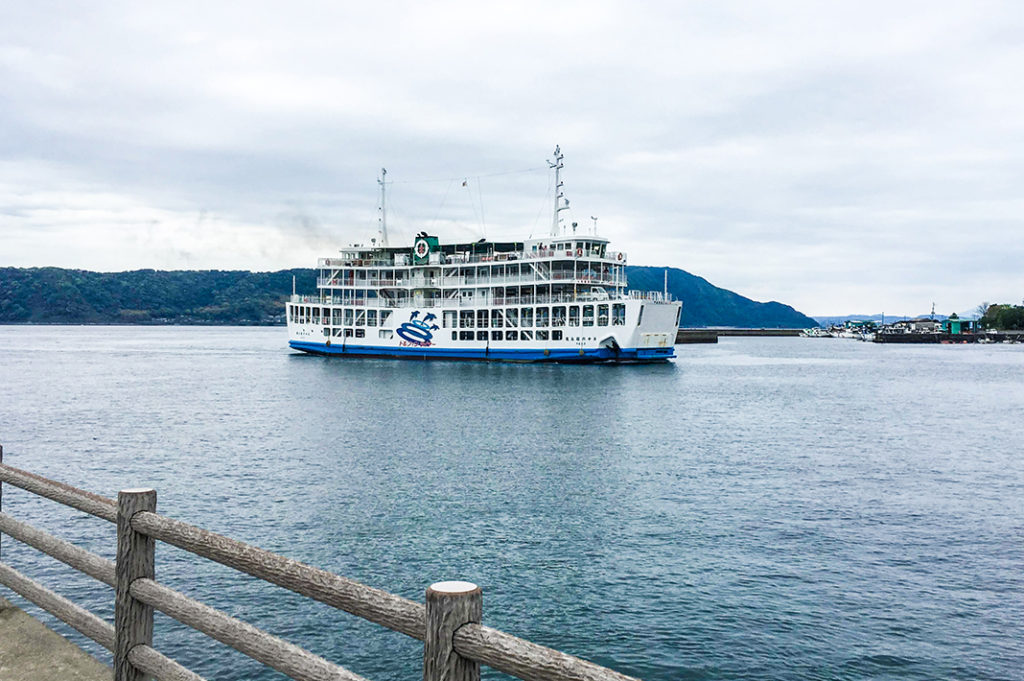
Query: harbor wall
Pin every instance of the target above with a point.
(711, 335)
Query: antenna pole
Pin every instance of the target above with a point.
(383, 209)
(557, 165)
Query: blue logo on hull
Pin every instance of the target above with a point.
(418, 331)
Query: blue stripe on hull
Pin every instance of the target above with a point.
(504, 355)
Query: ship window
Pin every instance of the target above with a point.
(558, 315)
(543, 314)
(466, 335)
(588, 315)
(495, 335)
(526, 316)
(574, 315)
(327, 332)
(556, 334)
(466, 319)
(602, 315)
(348, 316)
(386, 334)
(371, 318)
(497, 319)
(449, 320)
(511, 335)
(348, 333)
(360, 317)
(360, 333)
(512, 317)
(640, 317)
(542, 335)
(384, 316)
(481, 318)
(618, 314)
(679, 312)
(455, 335)
(526, 335)
(481, 335)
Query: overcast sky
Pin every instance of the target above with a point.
(842, 157)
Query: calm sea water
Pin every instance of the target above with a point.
(760, 508)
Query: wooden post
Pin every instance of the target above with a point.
(133, 619)
(449, 606)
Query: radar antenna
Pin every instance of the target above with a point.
(383, 209)
(557, 165)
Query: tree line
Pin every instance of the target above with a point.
(1002, 317)
(51, 295)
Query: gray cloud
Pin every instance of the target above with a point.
(836, 157)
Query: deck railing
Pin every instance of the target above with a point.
(526, 279)
(448, 622)
(582, 296)
(405, 260)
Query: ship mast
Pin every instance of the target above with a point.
(383, 209)
(559, 196)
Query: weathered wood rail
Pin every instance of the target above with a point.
(449, 622)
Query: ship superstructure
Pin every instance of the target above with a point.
(559, 298)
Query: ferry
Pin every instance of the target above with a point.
(562, 297)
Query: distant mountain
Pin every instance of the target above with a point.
(50, 295)
(705, 304)
(829, 320)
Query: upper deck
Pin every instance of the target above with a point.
(590, 248)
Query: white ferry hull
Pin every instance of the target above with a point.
(646, 337)
(570, 355)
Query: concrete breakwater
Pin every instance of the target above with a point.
(711, 335)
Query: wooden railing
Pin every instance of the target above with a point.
(455, 643)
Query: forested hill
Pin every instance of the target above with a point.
(705, 304)
(49, 295)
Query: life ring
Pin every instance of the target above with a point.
(620, 256)
(579, 252)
